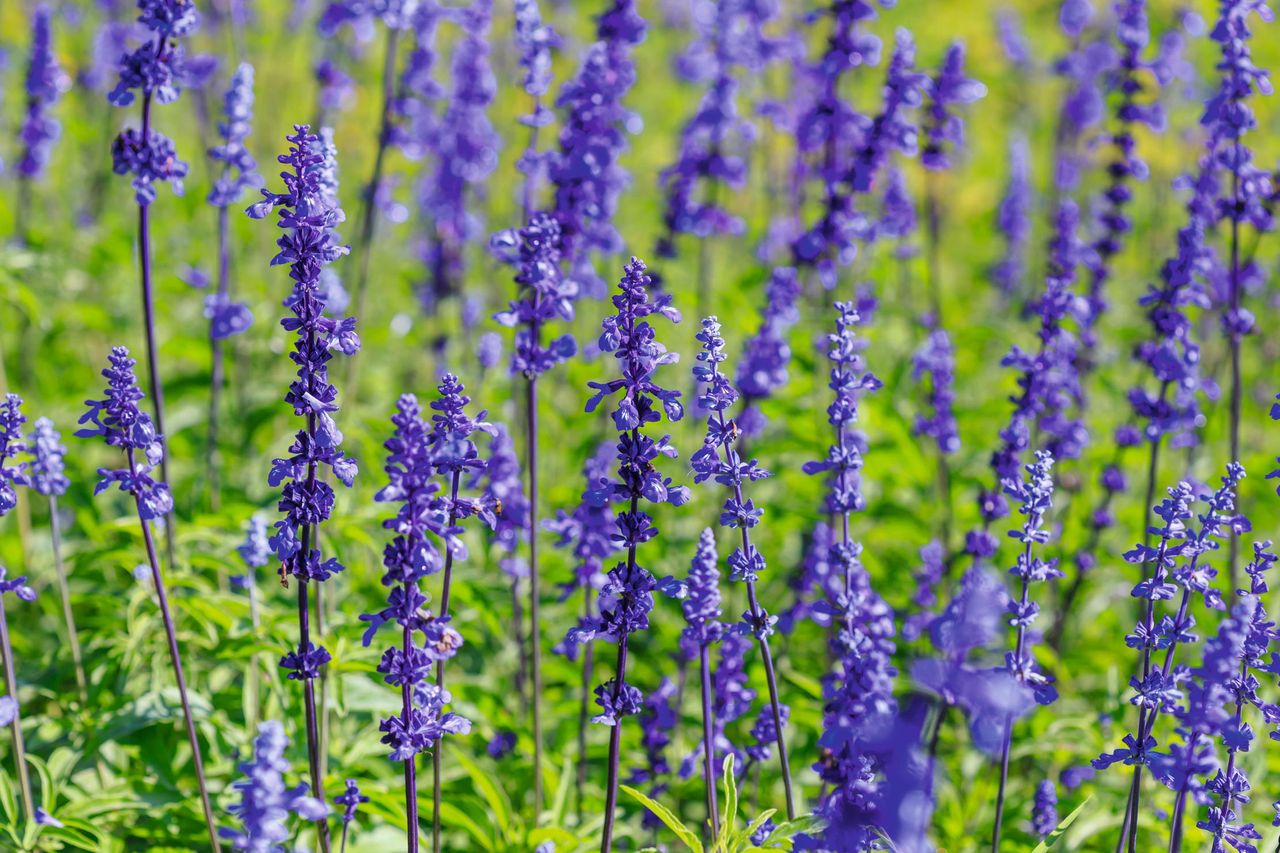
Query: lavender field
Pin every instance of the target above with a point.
(639, 425)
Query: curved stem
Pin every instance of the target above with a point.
(535, 623)
(175, 657)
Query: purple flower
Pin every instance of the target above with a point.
(764, 733)
(307, 215)
(702, 606)
(585, 171)
(1013, 219)
(715, 141)
(118, 420)
(46, 82)
(1044, 809)
(157, 69)
(506, 490)
(658, 717)
(943, 126)
(891, 130)
(1089, 60)
(11, 444)
(936, 359)
(350, 800)
(239, 169)
(465, 148)
(589, 529)
(47, 470)
(501, 745)
(544, 295)
(18, 586)
(767, 354)
(265, 803)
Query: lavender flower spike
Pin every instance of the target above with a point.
(308, 214)
(120, 423)
(11, 444)
(350, 800)
(46, 83)
(1035, 496)
(47, 474)
(226, 317)
(156, 70)
(265, 803)
(627, 595)
(1044, 810)
(719, 459)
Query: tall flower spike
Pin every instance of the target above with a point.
(1013, 219)
(350, 800)
(586, 172)
(626, 598)
(767, 354)
(265, 803)
(536, 41)
(11, 444)
(307, 214)
(949, 89)
(720, 460)
(891, 130)
(120, 423)
(466, 153)
(859, 691)
(1034, 494)
(46, 83)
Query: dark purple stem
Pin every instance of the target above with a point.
(615, 734)
(175, 657)
(584, 707)
(1234, 336)
(535, 623)
(436, 762)
(1020, 648)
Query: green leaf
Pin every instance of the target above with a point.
(496, 799)
(662, 813)
(730, 816)
(790, 829)
(1061, 828)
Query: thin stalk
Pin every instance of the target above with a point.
(708, 744)
(584, 706)
(175, 657)
(933, 231)
(1234, 337)
(410, 764)
(314, 748)
(15, 727)
(436, 761)
(64, 590)
(368, 212)
(615, 734)
(1020, 647)
(615, 743)
(517, 627)
(535, 627)
(754, 606)
(216, 371)
(155, 386)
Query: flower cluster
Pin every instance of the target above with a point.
(943, 127)
(1176, 560)
(46, 82)
(658, 718)
(586, 172)
(891, 130)
(936, 359)
(157, 69)
(416, 454)
(1083, 68)
(589, 529)
(1013, 220)
(767, 354)
(47, 471)
(1034, 494)
(715, 140)
(11, 444)
(511, 529)
(545, 295)
(308, 215)
(265, 803)
(702, 605)
(118, 420)
(626, 598)
(536, 41)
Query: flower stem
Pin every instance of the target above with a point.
(708, 744)
(1233, 553)
(535, 632)
(436, 762)
(584, 706)
(309, 702)
(216, 366)
(15, 727)
(410, 763)
(175, 657)
(64, 589)
(155, 386)
(615, 743)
